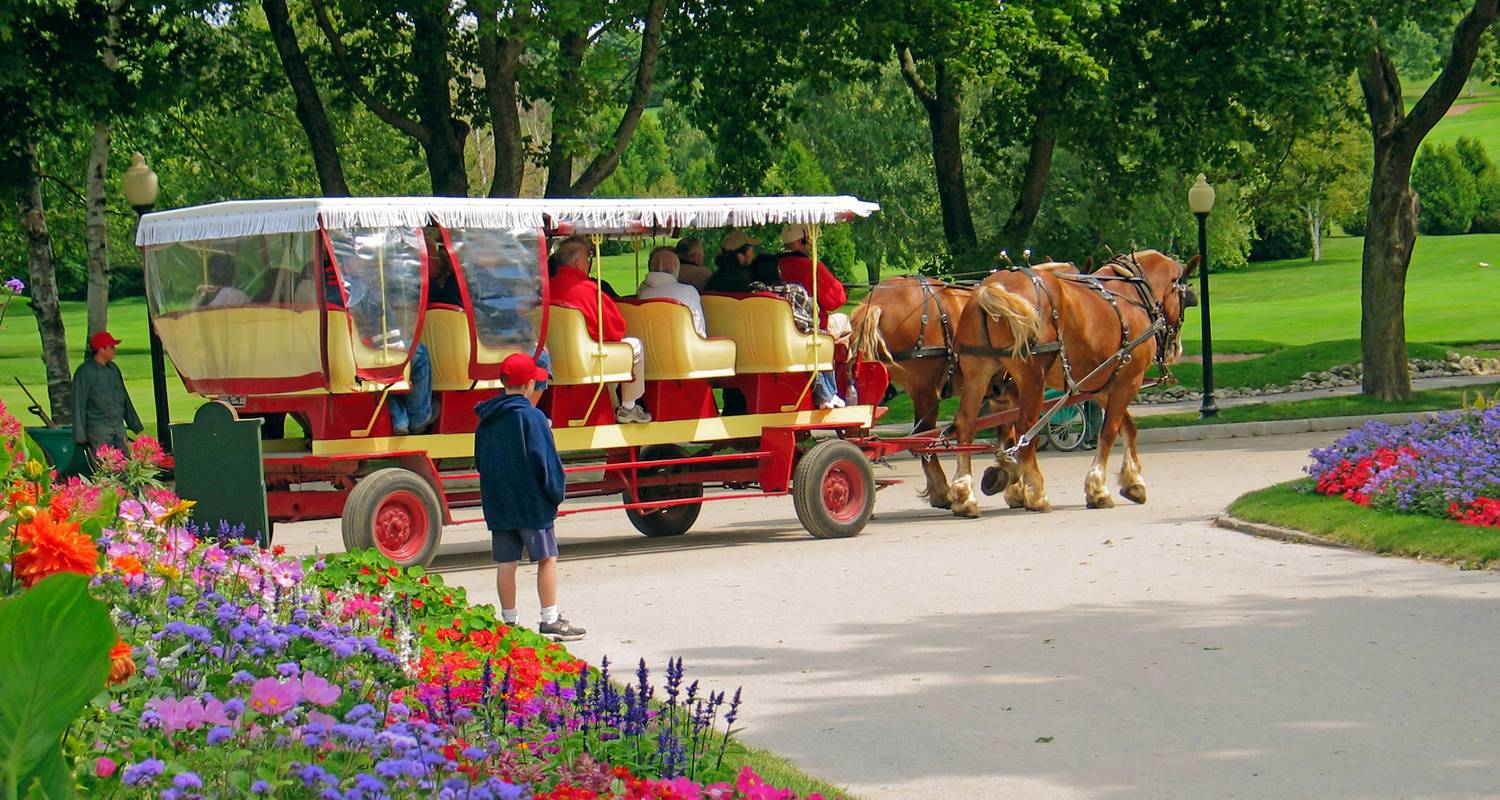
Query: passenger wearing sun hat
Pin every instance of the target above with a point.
(101, 407)
(797, 267)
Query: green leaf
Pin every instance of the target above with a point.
(51, 780)
(54, 657)
(416, 571)
(240, 780)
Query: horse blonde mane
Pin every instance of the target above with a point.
(1015, 311)
(868, 342)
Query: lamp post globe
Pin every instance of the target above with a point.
(1201, 202)
(139, 185)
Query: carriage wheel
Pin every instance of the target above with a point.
(672, 520)
(833, 490)
(396, 512)
(1067, 429)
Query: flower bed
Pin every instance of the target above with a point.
(240, 672)
(1445, 466)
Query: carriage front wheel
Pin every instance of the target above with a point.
(397, 512)
(833, 490)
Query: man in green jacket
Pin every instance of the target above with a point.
(101, 406)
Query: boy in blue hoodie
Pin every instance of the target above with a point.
(521, 484)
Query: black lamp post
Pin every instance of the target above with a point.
(1201, 201)
(140, 188)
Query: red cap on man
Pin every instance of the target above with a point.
(101, 340)
(518, 368)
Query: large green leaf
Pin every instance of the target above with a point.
(54, 657)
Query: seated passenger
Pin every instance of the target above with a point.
(664, 281)
(797, 267)
(220, 289)
(732, 264)
(768, 279)
(573, 288)
(553, 264)
(442, 285)
(690, 255)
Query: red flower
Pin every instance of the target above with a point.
(415, 603)
(121, 665)
(53, 547)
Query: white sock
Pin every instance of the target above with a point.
(550, 615)
(627, 404)
(509, 616)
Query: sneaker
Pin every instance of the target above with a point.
(400, 432)
(831, 403)
(561, 631)
(624, 415)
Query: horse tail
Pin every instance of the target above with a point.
(1015, 311)
(868, 342)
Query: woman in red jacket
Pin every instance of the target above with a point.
(573, 288)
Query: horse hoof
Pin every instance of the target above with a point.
(1041, 508)
(1101, 501)
(939, 501)
(1135, 494)
(969, 509)
(1015, 496)
(994, 481)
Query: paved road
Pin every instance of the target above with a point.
(1159, 657)
(1419, 384)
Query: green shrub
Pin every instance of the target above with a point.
(1471, 153)
(1449, 199)
(1488, 218)
(1280, 233)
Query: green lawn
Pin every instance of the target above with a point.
(1448, 297)
(1481, 122)
(1379, 531)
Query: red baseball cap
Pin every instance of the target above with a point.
(518, 368)
(101, 340)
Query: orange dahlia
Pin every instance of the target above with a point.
(128, 565)
(53, 547)
(121, 665)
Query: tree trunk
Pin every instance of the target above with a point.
(566, 124)
(1315, 231)
(1391, 227)
(95, 230)
(943, 101)
(310, 111)
(1390, 233)
(445, 150)
(1022, 218)
(49, 322)
(608, 159)
(500, 58)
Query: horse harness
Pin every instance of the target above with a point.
(923, 350)
(1154, 312)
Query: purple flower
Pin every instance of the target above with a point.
(144, 772)
(270, 696)
(319, 691)
(15, 285)
(260, 787)
(187, 780)
(220, 735)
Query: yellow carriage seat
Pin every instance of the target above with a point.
(766, 338)
(445, 331)
(344, 348)
(575, 354)
(674, 350)
(267, 343)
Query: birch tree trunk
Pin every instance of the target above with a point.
(49, 322)
(96, 231)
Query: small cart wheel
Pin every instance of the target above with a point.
(395, 511)
(833, 490)
(1067, 428)
(671, 520)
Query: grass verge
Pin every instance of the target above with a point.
(779, 772)
(1287, 364)
(1377, 531)
(1349, 405)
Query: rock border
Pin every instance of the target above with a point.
(1277, 427)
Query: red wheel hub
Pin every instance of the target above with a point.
(401, 526)
(843, 491)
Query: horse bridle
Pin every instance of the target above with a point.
(1167, 333)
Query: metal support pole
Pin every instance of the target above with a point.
(1209, 409)
(158, 362)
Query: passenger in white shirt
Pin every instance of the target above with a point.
(661, 282)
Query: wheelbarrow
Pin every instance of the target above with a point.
(63, 454)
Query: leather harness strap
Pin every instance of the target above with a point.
(923, 350)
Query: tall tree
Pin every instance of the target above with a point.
(1391, 226)
(310, 111)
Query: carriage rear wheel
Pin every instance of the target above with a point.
(670, 520)
(1068, 428)
(397, 512)
(833, 490)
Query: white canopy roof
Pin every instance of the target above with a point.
(593, 215)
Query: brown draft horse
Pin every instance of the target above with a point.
(1079, 333)
(907, 323)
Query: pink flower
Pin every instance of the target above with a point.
(148, 450)
(319, 691)
(177, 715)
(214, 713)
(111, 460)
(104, 766)
(270, 696)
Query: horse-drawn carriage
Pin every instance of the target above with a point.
(315, 309)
